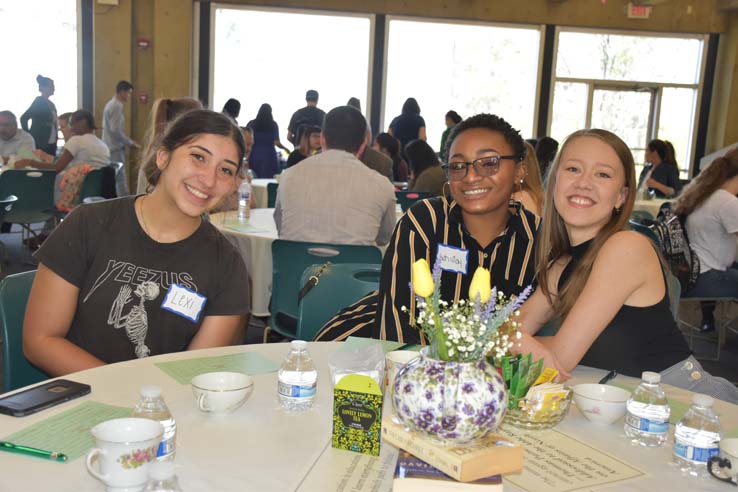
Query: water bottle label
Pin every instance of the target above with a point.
(693, 453)
(296, 390)
(166, 447)
(646, 425)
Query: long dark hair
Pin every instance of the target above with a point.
(410, 106)
(187, 127)
(420, 156)
(264, 121)
(707, 182)
(391, 145)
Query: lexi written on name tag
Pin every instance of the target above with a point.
(452, 259)
(184, 302)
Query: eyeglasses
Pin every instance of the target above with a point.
(484, 166)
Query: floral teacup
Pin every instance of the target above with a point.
(124, 449)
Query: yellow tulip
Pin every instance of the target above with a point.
(480, 285)
(422, 279)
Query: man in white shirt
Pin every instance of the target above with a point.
(332, 197)
(113, 134)
(13, 140)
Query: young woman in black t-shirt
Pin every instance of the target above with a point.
(145, 275)
(605, 283)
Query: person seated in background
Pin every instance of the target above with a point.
(332, 197)
(710, 206)
(426, 173)
(390, 146)
(485, 155)
(661, 172)
(13, 140)
(374, 159)
(452, 118)
(546, 149)
(309, 145)
(109, 275)
(584, 244)
(529, 190)
(163, 111)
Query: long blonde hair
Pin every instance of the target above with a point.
(707, 182)
(531, 182)
(553, 239)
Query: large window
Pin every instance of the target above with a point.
(470, 68)
(275, 56)
(40, 38)
(629, 84)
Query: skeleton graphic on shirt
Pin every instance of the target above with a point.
(136, 322)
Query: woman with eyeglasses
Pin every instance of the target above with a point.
(473, 222)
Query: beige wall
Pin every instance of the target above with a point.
(165, 68)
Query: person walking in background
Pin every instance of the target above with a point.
(263, 159)
(661, 173)
(42, 113)
(426, 173)
(390, 146)
(710, 206)
(114, 133)
(452, 119)
(232, 108)
(162, 112)
(409, 125)
(310, 115)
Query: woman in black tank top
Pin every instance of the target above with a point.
(603, 281)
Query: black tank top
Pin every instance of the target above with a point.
(637, 339)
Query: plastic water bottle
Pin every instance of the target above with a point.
(697, 436)
(152, 406)
(297, 378)
(647, 418)
(162, 478)
(244, 201)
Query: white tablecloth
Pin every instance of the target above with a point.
(650, 206)
(254, 242)
(259, 189)
(262, 448)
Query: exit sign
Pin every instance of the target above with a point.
(638, 11)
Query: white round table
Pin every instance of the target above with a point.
(254, 242)
(261, 447)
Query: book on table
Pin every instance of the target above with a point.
(491, 455)
(415, 475)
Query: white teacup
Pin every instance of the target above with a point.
(124, 449)
(221, 392)
(727, 462)
(396, 360)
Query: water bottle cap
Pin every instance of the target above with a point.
(703, 400)
(651, 377)
(150, 391)
(298, 344)
(161, 470)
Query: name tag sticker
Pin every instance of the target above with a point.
(184, 302)
(452, 259)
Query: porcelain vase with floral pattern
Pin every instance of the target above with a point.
(452, 402)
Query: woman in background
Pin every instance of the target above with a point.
(529, 191)
(163, 111)
(452, 119)
(546, 149)
(426, 173)
(309, 145)
(390, 146)
(624, 325)
(409, 125)
(232, 108)
(42, 113)
(263, 158)
(711, 208)
(661, 173)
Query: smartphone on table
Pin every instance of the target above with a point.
(41, 397)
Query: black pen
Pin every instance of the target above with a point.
(610, 375)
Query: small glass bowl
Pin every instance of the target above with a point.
(531, 416)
